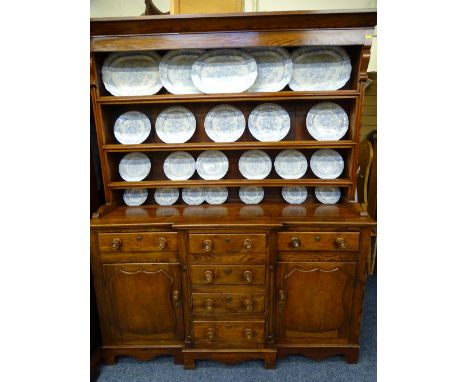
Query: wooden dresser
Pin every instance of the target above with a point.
(230, 282)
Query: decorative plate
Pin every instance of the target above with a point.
(132, 127)
(193, 196)
(255, 164)
(269, 122)
(179, 165)
(175, 70)
(175, 124)
(134, 167)
(320, 68)
(166, 196)
(216, 195)
(132, 73)
(135, 196)
(274, 68)
(328, 195)
(294, 194)
(327, 121)
(224, 123)
(224, 71)
(327, 164)
(212, 164)
(251, 194)
(290, 164)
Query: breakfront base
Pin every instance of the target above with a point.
(229, 356)
(351, 353)
(110, 353)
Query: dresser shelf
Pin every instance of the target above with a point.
(199, 146)
(231, 97)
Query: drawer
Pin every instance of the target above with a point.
(227, 243)
(233, 331)
(138, 241)
(212, 303)
(318, 241)
(227, 274)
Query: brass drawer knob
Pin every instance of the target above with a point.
(208, 276)
(295, 242)
(209, 304)
(248, 304)
(207, 245)
(247, 276)
(116, 243)
(210, 333)
(248, 244)
(161, 242)
(248, 333)
(340, 243)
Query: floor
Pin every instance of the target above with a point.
(294, 368)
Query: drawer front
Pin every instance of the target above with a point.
(227, 243)
(227, 274)
(318, 241)
(138, 241)
(227, 258)
(232, 331)
(212, 303)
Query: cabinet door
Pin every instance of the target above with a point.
(144, 302)
(314, 301)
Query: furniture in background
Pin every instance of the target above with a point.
(212, 6)
(96, 200)
(230, 282)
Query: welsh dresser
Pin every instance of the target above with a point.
(230, 282)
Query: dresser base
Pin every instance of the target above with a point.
(110, 353)
(229, 356)
(351, 353)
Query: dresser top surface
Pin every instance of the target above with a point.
(254, 216)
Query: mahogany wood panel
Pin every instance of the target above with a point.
(138, 241)
(318, 241)
(144, 302)
(246, 331)
(227, 243)
(231, 39)
(227, 274)
(295, 20)
(314, 300)
(216, 303)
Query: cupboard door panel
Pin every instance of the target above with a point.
(144, 301)
(314, 299)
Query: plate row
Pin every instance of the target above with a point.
(219, 195)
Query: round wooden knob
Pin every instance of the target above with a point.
(248, 333)
(248, 304)
(340, 243)
(247, 276)
(210, 333)
(208, 276)
(248, 244)
(161, 242)
(207, 245)
(116, 243)
(209, 304)
(295, 242)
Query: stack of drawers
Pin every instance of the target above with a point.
(227, 281)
